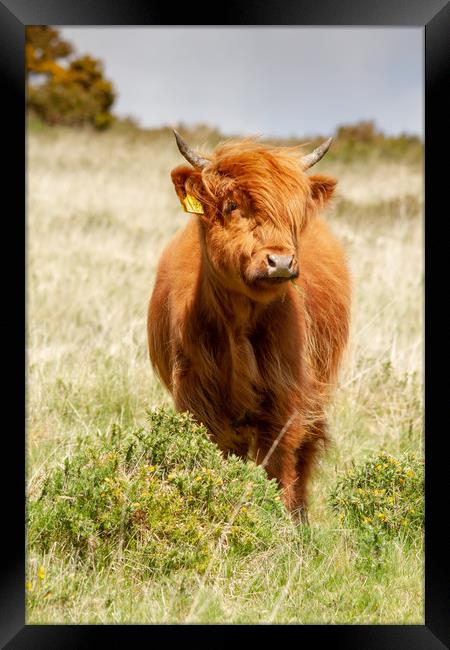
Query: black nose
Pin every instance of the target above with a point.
(280, 266)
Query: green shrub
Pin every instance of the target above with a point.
(363, 141)
(163, 494)
(382, 498)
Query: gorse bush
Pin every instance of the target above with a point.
(382, 498)
(164, 495)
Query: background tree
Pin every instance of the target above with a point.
(61, 89)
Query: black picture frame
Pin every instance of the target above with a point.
(434, 17)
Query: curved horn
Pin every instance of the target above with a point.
(191, 156)
(311, 158)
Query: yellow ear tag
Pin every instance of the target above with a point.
(191, 204)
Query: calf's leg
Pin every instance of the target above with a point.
(277, 454)
(307, 454)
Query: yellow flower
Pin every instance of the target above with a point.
(41, 573)
(198, 478)
(28, 586)
(171, 476)
(360, 491)
(381, 516)
(219, 481)
(379, 468)
(410, 473)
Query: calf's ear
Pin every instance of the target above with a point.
(179, 177)
(322, 188)
(189, 188)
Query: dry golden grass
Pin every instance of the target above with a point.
(100, 209)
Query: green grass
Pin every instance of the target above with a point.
(101, 208)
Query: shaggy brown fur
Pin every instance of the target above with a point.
(253, 360)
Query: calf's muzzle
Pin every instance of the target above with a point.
(281, 266)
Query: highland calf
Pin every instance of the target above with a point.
(249, 314)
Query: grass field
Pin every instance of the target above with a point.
(100, 209)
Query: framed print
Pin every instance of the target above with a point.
(141, 342)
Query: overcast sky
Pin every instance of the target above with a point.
(291, 81)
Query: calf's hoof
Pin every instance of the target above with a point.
(300, 515)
